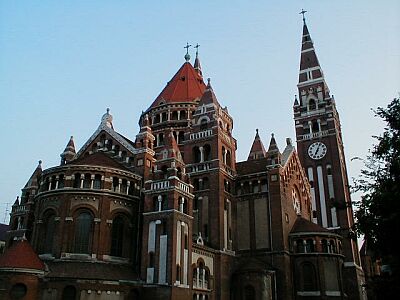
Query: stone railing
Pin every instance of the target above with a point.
(160, 185)
(201, 134)
(199, 167)
(184, 187)
(314, 135)
(19, 209)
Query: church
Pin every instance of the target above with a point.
(171, 214)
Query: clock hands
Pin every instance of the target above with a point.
(316, 151)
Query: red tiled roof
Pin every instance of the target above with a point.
(304, 225)
(186, 86)
(21, 256)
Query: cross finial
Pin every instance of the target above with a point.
(303, 12)
(187, 56)
(197, 49)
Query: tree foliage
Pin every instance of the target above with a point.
(378, 214)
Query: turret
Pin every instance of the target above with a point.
(69, 152)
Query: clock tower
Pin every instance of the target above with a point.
(320, 149)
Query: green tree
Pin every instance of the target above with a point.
(378, 212)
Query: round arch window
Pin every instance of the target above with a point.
(18, 291)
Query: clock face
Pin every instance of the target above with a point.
(317, 150)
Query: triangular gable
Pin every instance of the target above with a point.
(116, 136)
(99, 159)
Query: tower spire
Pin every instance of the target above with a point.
(257, 150)
(310, 73)
(197, 65)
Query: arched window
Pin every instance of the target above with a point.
(164, 117)
(87, 181)
(83, 233)
(77, 180)
(174, 115)
(164, 170)
(117, 236)
(49, 226)
(315, 126)
(183, 115)
(309, 246)
(309, 282)
(97, 182)
(161, 139)
(228, 158)
(207, 152)
(300, 246)
(53, 182)
(196, 154)
(311, 104)
(181, 137)
(324, 244)
(332, 246)
(203, 124)
(249, 293)
(124, 186)
(69, 293)
(61, 181)
(115, 184)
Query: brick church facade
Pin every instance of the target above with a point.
(171, 214)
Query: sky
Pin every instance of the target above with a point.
(62, 63)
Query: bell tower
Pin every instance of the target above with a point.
(320, 148)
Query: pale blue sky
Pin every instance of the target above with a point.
(62, 63)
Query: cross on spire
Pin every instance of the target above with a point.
(303, 12)
(187, 56)
(197, 49)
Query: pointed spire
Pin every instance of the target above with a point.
(197, 65)
(310, 68)
(209, 95)
(69, 151)
(257, 149)
(273, 147)
(33, 182)
(296, 102)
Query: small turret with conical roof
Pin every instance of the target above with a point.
(257, 149)
(273, 152)
(69, 152)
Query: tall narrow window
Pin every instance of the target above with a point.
(83, 233)
(97, 182)
(117, 236)
(309, 279)
(49, 226)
